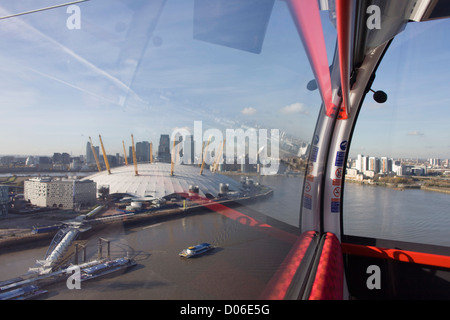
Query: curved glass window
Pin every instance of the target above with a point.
(397, 184)
(180, 105)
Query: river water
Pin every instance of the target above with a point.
(246, 257)
(411, 215)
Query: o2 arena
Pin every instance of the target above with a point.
(158, 186)
(156, 180)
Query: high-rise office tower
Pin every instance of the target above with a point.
(188, 150)
(164, 148)
(89, 155)
(143, 151)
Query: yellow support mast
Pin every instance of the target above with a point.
(216, 162)
(177, 157)
(95, 156)
(125, 153)
(215, 159)
(151, 152)
(204, 155)
(173, 157)
(134, 156)
(104, 155)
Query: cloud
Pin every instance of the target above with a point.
(248, 111)
(415, 133)
(294, 108)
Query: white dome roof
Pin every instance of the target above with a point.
(154, 180)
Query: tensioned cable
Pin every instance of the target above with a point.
(42, 9)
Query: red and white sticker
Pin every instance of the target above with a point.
(337, 182)
(337, 192)
(338, 173)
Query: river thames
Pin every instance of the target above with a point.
(245, 257)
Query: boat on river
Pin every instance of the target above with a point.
(23, 293)
(196, 250)
(106, 268)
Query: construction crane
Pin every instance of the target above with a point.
(104, 155)
(95, 156)
(134, 156)
(125, 153)
(204, 155)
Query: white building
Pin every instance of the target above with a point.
(435, 161)
(359, 163)
(396, 167)
(64, 194)
(364, 163)
(369, 173)
(354, 174)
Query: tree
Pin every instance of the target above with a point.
(103, 192)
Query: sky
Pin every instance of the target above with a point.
(133, 67)
(415, 74)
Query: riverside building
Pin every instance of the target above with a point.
(60, 193)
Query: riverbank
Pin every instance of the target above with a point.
(19, 229)
(16, 229)
(400, 186)
(436, 189)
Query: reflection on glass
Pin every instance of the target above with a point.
(401, 146)
(175, 115)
